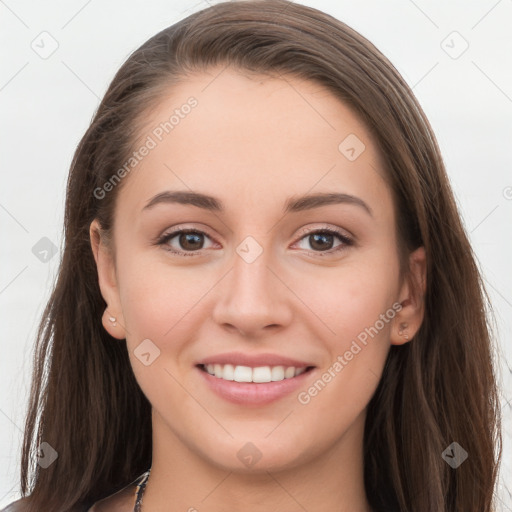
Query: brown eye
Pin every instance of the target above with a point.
(321, 242)
(191, 241)
(184, 242)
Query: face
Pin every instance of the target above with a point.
(264, 278)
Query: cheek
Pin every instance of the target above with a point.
(157, 299)
(358, 308)
(159, 304)
(353, 298)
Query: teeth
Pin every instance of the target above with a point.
(242, 374)
(277, 373)
(289, 373)
(247, 374)
(228, 373)
(262, 374)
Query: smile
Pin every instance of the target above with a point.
(254, 386)
(259, 374)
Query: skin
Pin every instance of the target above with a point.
(253, 142)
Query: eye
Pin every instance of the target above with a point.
(321, 241)
(188, 242)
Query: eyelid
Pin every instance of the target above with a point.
(199, 228)
(326, 227)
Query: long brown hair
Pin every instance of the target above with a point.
(437, 389)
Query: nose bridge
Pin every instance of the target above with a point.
(251, 277)
(252, 297)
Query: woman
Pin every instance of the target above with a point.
(267, 299)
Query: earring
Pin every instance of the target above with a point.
(401, 331)
(112, 320)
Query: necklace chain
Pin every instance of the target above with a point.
(140, 491)
(141, 487)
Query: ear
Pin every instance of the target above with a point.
(412, 299)
(112, 319)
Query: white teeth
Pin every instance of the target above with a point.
(289, 373)
(243, 374)
(262, 374)
(228, 373)
(217, 370)
(259, 374)
(278, 373)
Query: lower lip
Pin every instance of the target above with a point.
(251, 393)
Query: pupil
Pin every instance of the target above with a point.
(317, 237)
(187, 240)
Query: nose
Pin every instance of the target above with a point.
(252, 299)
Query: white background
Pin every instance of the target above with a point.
(47, 104)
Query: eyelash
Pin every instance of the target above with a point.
(346, 241)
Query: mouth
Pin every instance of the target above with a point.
(255, 375)
(254, 386)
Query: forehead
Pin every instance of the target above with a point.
(253, 140)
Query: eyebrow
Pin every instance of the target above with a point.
(293, 204)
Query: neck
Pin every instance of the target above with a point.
(183, 480)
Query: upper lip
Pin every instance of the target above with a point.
(254, 360)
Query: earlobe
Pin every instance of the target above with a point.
(112, 317)
(412, 299)
(402, 331)
(113, 326)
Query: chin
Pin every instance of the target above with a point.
(255, 455)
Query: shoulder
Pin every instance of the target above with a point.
(16, 506)
(121, 501)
